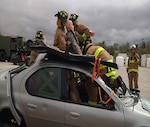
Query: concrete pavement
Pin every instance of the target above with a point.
(5, 65)
(143, 81)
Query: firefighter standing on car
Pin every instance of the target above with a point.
(108, 74)
(132, 68)
(82, 31)
(59, 39)
(84, 34)
(39, 40)
(73, 47)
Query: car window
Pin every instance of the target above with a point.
(45, 82)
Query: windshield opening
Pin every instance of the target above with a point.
(126, 99)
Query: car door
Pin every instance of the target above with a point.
(78, 115)
(88, 115)
(41, 94)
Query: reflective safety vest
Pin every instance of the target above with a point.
(133, 69)
(110, 71)
(133, 61)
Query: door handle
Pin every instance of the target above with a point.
(32, 106)
(74, 115)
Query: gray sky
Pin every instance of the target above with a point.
(111, 20)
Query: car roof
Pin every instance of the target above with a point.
(54, 55)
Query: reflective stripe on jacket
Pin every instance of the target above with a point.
(83, 31)
(133, 63)
(110, 71)
(132, 70)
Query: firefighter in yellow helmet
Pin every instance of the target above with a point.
(73, 47)
(59, 39)
(39, 40)
(132, 68)
(108, 74)
(82, 32)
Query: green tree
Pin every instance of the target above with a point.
(102, 44)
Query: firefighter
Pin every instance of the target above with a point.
(73, 47)
(132, 68)
(59, 39)
(82, 32)
(108, 74)
(39, 40)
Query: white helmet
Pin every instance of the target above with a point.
(133, 47)
(91, 33)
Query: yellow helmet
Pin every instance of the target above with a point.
(39, 35)
(73, 17)
(62, 15)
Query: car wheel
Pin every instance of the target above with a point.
(3, 55)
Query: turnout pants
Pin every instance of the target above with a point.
(133, 77)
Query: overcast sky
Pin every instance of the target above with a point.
(112, 20)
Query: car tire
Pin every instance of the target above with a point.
(3, 55)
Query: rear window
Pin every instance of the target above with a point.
(45, 82)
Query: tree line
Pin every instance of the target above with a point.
(143, 47)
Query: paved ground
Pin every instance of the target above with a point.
(144, 80)
(5, 65)
(144, 77)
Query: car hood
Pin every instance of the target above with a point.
(137, 115)
(145, 105)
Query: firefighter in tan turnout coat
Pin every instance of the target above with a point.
(59, 39)
(82, 31)
(108, 74)
(67, 42)
(39, 40)
(132, 68)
